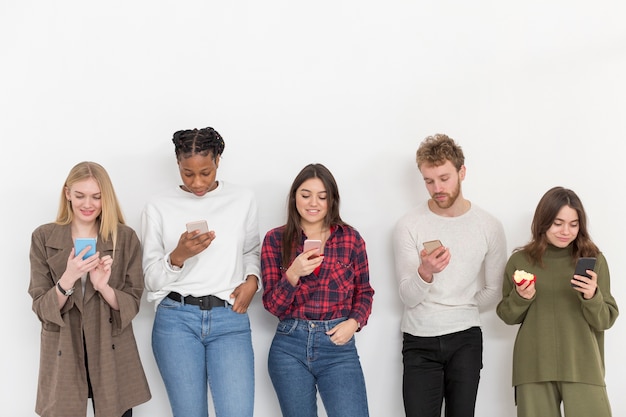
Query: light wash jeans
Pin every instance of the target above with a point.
(303, 359)
(193, 347)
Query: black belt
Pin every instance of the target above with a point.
(206, 302)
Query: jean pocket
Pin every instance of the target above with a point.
(286, 327)
(169, 303)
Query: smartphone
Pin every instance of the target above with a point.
(313, 244)
(582, 265)
(431, 245)
(200, 225)
(81, 243)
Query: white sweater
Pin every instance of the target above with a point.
(473, 277)
(230, 211)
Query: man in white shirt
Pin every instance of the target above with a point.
(442, 289)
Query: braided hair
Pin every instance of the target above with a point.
(198, 141)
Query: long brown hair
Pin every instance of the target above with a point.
(545, 213)
(111, 215)
(292, 234)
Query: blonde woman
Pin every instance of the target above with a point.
(86, 303)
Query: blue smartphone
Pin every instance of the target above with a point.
(81, 243)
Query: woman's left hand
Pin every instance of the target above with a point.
(243, 294)
(343, 332)
(100, 275)
(586, 286)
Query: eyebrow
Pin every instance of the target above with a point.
(82, 193)
(309, 191)
(565, 221)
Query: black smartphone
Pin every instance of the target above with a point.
(582, 265)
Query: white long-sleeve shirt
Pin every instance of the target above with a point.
(231, 211)
(473, 278)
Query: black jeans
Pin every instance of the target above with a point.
(442, 367)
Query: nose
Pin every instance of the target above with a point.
(437, 186)
(197, 181)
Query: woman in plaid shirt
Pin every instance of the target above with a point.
(321, 302)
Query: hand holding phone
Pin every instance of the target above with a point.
(81, 243)
(431, 245)
(200, 225)
(313, 244)
(582, 265)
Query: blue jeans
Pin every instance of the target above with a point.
(441, 367)
(193, 348)
(303, 359)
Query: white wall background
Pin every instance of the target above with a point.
(534, 91)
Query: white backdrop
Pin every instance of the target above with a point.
(533, 91)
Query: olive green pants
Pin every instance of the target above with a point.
(579, 400)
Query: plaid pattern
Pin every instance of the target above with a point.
(340, 288)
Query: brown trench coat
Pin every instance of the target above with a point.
(115, 369)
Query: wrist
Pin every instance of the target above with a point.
(175, 261)
(292, 277)
(357, 324)
(423, 275)
(64, 290)
(101, 289)
(254, 280)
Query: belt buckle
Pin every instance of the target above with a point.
(205, 302)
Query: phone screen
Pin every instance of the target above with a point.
(582, 265)
(81, 243)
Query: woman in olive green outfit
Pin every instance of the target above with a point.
(559, 349)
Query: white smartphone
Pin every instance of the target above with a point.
(81, 243)
(313, 244)
(200, 225)
(431, 245)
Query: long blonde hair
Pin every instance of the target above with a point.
(111, 215)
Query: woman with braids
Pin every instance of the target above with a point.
(559, 350)
(86, 303)
(320, 300)
(202, 282)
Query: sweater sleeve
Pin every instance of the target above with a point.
(413, 289)
(512, 309)
(495, 260)
(601, 310)
(158, 273)
(252, 245)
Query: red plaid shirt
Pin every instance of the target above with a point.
(341, 288)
